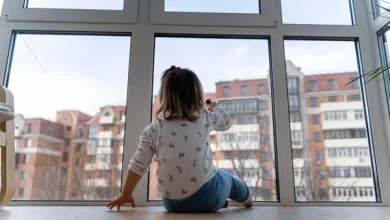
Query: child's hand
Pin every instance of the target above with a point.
(121, 200)
(211, 106)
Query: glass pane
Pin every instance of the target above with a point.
(213, 6)
(224, 66)
(76, 4)
(71, 91)
(334, 154)
(331, 12)
(381, 4)
(1, 7)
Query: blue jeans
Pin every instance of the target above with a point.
(211, 196)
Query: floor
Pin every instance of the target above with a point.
(158, 213)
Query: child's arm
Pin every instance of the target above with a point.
(221, 119)
(138, 167)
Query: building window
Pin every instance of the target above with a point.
(26, 158)
(65, 157)
(295, 117)
(23, 175)
(359, 114)
(106, 128)
(319, 155)
(313, 102)
(90, 174)
(226, 91)
(67, 142)
(312, 85)
(354, 84)
(292, 85)
(74, 192)
(262, 105)
(332, 99)
(263, 156)
(244, 90)
(78, 161)
(20, 192)
(79, 147)
(262, 122)
(107, 114)
(263, 139)
(315, 119)
(80, 132)
(121, 114)
(265, 174)
(297, 153)
(28, 143)
(261, 88)
(293, 102)
(331, 84)
(29, 127)
(320, 174)
(101, 174)
(355, 98)
(317, 137)
(68, 128)
(93, 132)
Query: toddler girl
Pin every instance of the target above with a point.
(178, 140)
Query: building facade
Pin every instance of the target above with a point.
(79, 157)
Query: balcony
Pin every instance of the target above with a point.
(343, 124)
(351, 182)
(296, 126)
(91, 147)
(347, 142)
(102, 166)
(246, 164)
(104, 150)
(106, 120)
(89, 166)
(298, 163)
(97, 182)
(105, 135)
(348, 162)
(296, 144)
(238, 145)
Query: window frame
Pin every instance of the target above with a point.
(267, 17)
(17, 12)
(139, 87)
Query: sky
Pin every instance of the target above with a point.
(54, 72)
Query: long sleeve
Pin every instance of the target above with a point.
(141, 160)
(221, 119)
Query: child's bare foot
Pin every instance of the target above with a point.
(248, 204)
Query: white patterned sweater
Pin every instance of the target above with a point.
(182, 151)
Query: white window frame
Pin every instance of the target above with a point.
(16, 12)
(153, 21)
(267, 18)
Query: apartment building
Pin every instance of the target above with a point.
(79, 157)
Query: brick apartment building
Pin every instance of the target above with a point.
(79, 157)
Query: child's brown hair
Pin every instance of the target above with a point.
(181, 94)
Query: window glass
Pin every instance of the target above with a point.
(317, 12)
(213, 6)
(246, 147)
(334, 146)
(76, 4)
(57, 69)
